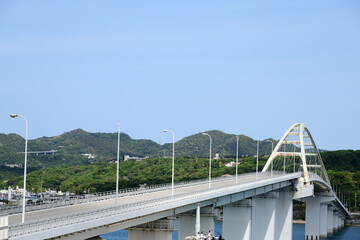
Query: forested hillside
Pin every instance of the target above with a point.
(342, 160)
(224, 144)
(102, 176)
(103, 146)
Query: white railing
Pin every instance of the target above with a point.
(62, 221)
(101, 196)
(57, 222)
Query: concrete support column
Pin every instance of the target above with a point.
(330, 221)
(335, 221)
(342, 222)
(237, 220)
(284, 216)
(187, 222)
(263, 217)
(4, 227)
(323, 220)
(312, 218)
(339, 221)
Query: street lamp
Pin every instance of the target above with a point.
(26, 140)
(173, 162)
(209, 159)
(237, 157)
(117, 167)
(272, 149)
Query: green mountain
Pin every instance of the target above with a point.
(198, 145)
(72, 145)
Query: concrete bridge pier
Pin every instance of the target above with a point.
(338, 221)
(335, 219)
(268, 216)
(316, 222)
(187, 222)
(330, 221)
(342, 222)
(237, 220)
(323, 220)
(156, 230)
(4, 227)
(284, 215)
(312, 218)
(263, 216)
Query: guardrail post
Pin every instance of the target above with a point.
(4, 227)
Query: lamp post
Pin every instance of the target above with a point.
(237, 157)
(26, 140)
(117, 167)
(209, 160)
(272, 149)
(173, 161)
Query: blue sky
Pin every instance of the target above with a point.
(243, 67)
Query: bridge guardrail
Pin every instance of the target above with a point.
(51, 223)
(81, 199)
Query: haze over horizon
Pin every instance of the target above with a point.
(251, 68)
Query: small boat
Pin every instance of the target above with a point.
(202, 236)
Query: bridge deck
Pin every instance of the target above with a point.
(137, 209)
(61, 211)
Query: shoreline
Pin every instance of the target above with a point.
(299, 221)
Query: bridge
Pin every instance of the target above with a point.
(254, 206)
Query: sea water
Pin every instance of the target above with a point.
(346, 233)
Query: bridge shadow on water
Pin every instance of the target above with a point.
(346, 233)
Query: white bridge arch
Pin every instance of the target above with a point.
(297, 151)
